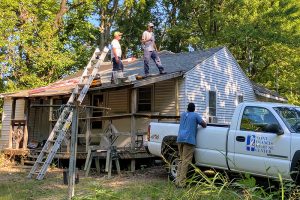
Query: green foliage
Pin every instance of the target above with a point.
(41, 41)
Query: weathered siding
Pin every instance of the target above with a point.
(20, 108)
(164, 97)
(222, 74)
(38, 122)
(118, 101)
(6, 117)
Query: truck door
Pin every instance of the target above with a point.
(258, 149)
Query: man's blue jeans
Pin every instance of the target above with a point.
(155, 58)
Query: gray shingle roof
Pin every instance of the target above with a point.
(172, 62)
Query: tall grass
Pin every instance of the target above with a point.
(212, 186)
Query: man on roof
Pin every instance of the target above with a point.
(116, 53)
(150, 50)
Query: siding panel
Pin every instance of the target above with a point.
(222, 74)
(6, 117)
(118, 101)
(164, 97)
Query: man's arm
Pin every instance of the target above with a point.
(154, 45)
(201, 121)
(203, 124)
(115, 54)
(144, 38)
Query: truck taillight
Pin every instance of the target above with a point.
(148, 134)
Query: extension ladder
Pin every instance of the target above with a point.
(59, 132)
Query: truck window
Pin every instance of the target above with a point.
(290, 116)
(258, 119)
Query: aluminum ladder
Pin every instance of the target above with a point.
(59, 132)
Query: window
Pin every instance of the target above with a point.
(97, 101)
(212, 105)
(258, 119)
(144, 99)
(240, 99)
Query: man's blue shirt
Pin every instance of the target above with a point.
(188, 127)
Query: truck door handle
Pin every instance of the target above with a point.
(240, 138)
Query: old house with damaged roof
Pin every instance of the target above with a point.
(212, 79)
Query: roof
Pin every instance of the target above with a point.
(175, 64)
(264, 92)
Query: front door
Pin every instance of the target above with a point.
(258, 149)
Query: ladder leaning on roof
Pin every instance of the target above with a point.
(64, 121)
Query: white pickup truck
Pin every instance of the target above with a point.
(262, 139)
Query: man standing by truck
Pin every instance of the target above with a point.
(186, 141)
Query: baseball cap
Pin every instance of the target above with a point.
(151, 24)
(117, 33)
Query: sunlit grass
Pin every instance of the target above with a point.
(206, 185)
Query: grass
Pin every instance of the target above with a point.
(141, 186)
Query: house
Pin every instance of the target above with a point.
(212, 79)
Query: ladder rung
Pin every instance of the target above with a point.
(53, 141)
(81, 84)
(40, 162)
(94, 61)
(98, 53)
(46, 151)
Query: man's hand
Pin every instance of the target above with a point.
(203, 124)
(117, 60)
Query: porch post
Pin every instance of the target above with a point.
(72, 161)
(176, 97)
(26, 115)
(12, 123)
(88, 128)
(133, 123)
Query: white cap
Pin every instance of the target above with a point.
(150, 24)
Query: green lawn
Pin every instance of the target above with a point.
(146, 184)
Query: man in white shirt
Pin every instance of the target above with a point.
(150, 50)
(116, 53)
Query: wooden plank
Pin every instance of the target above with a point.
(133, 122)
(88, 128)
(72, 162)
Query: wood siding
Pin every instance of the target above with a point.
(20, 108)
(6, 117)
(164, 97)
(38, 122)
(118, 101)
(219, 73)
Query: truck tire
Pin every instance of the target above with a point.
(295, 173)
(173, 167)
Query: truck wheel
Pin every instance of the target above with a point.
(296, 173)
(173, 167)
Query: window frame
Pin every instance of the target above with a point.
(208, 103)
(238, 98)
(151, 99)
(260, 130)
(96, 123)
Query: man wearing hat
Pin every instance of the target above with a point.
(150, 50)
(116, 52)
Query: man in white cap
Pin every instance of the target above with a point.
(116, 53)
(150, 50)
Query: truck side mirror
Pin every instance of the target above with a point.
(274, 128)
